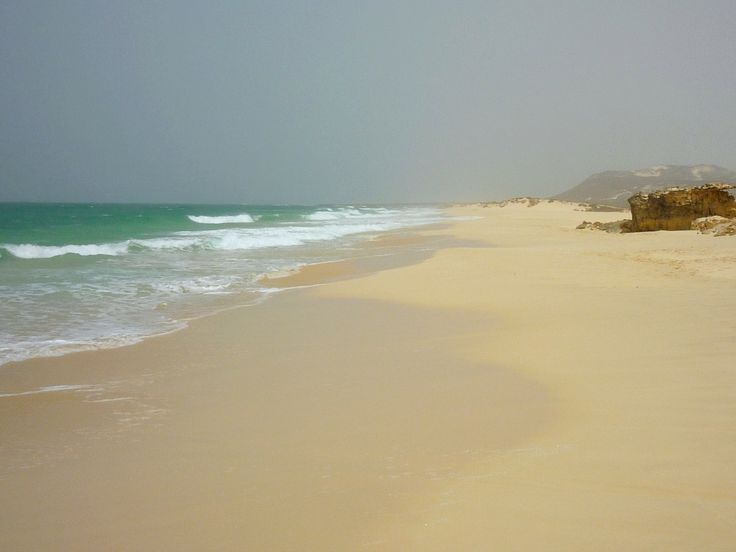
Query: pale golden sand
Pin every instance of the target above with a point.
(557, 390)
(635, 337)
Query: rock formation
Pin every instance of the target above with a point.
(615, 227)
(716, 225)
(677, 208)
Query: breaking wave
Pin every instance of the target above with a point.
(243, 218)
(31, 251)
(328, 214)
(231, 239)
(147, 275)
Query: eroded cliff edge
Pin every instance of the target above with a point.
(678, 208)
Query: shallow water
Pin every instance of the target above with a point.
(80, 276)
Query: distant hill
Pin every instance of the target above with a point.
(615, 187)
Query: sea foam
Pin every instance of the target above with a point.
(243, 218)
(149, 279)
(344, 213)
(32, 251)
(321, 225)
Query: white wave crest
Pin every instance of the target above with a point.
(172, 243)
(323, 225)
(335, 214)
(281, 236)
(243, 218)
(210, 285)
(32, 251)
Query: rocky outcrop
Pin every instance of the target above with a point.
(615, 227)
(677, 208)
(727, 229)
(716, 225)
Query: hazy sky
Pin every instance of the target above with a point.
(370, 101)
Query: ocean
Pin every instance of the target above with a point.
(88, 276)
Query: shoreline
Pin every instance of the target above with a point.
(152, 268)
(267, 283)
(386, 250)
(526, 386)
(174, 397)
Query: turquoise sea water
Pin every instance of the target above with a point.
(80, 276)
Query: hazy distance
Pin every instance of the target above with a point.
(317, 102)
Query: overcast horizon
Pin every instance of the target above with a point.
(333, 102)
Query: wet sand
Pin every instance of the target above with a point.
(555, 390)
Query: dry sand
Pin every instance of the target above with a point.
(557, 389)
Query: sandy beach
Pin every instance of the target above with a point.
(516, 385)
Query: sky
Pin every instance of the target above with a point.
(345, 102)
